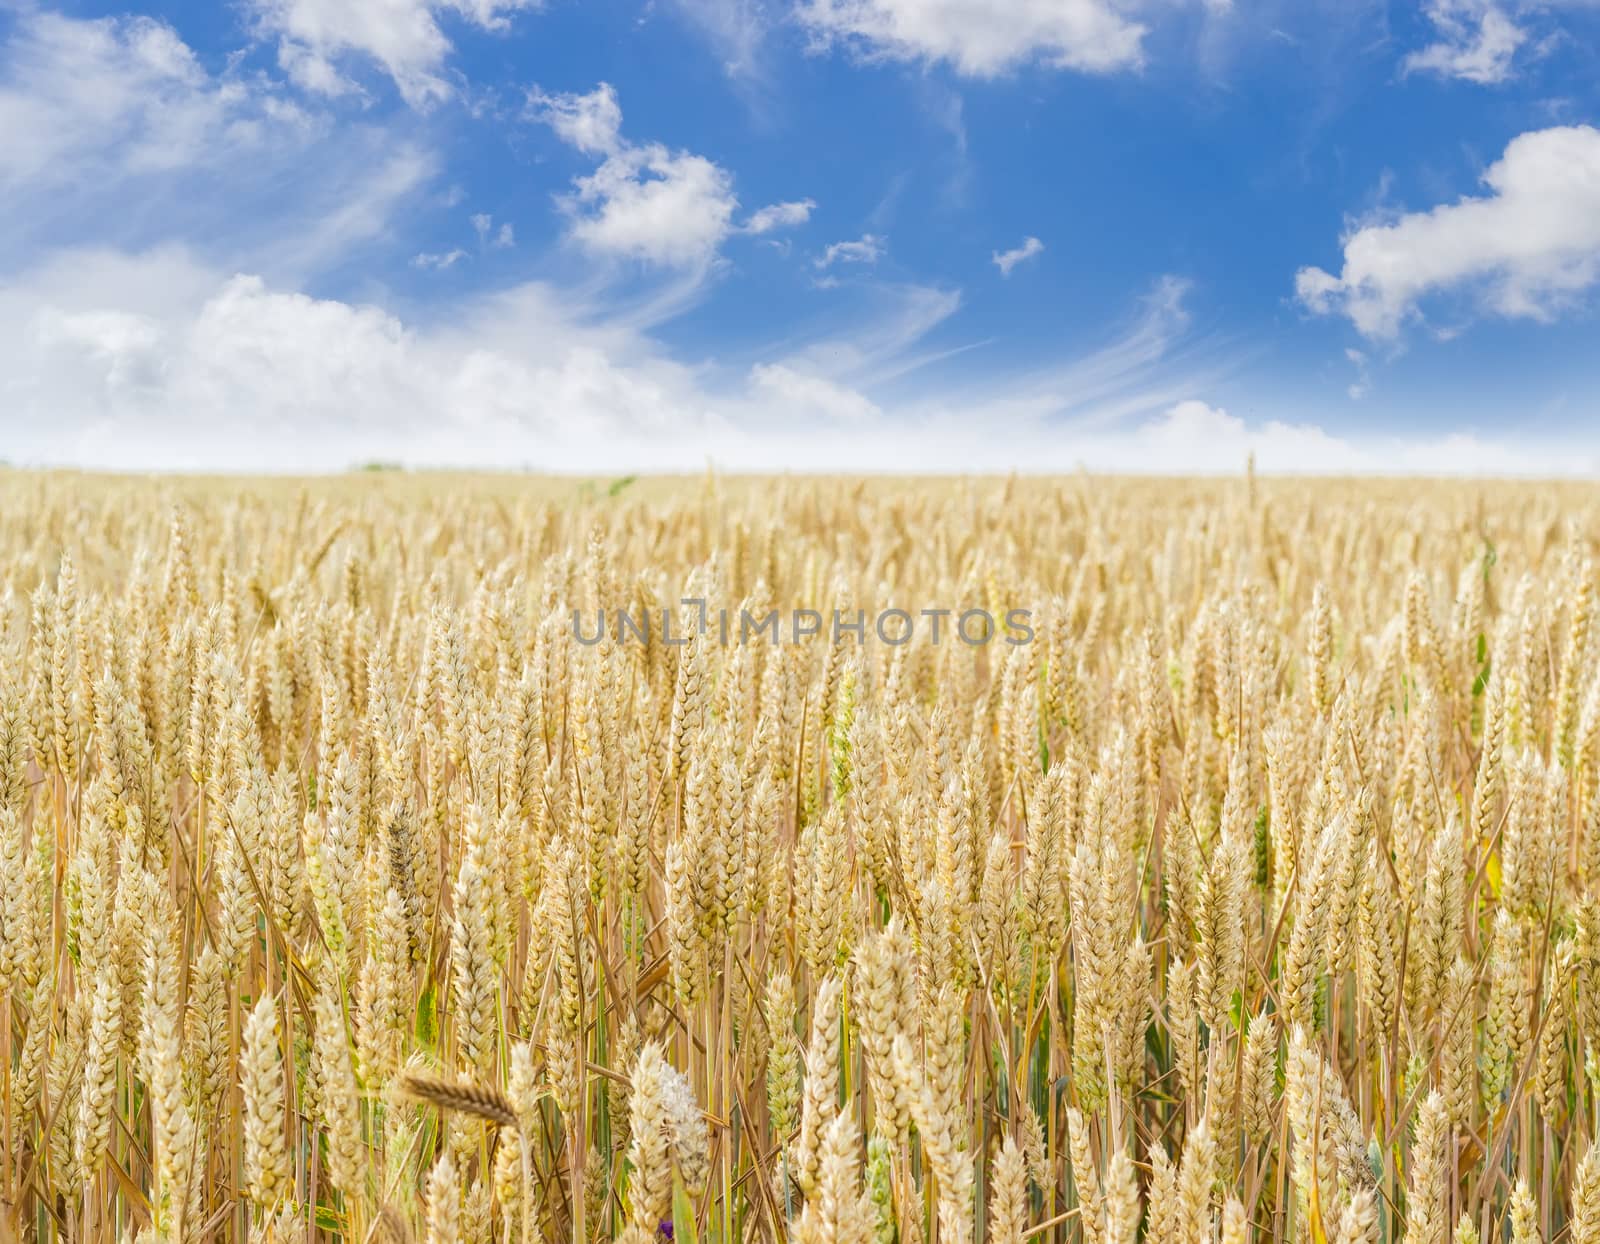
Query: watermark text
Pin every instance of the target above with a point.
(895, 627)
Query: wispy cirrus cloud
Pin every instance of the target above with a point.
(118, 134)
(736, 30)
(86, 101)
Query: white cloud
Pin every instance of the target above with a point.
(867, 249)
(1478, 42)
(789, 394)
(1130, 375)
(1007, 260)
(780, 216)
(83, 101)
(982, 38)
(877, 336)
(353, 202)
(644, 202)
(438, 260)
(736, 29)
(1361, 386)
(1526, 249)
(654, 205)
(488, 236)
(403, 36)
(115, 130)
(156, 360)
(591, 122)
(1193, 437)
(312, 72)
(1192, 422)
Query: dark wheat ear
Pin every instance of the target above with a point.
(483, 1100)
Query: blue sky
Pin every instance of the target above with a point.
(610, 235)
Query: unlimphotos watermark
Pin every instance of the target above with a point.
(974, 627)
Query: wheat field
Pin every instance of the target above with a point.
(1238, 881)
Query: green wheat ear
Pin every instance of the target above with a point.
(880, 1190)
(683, 1228)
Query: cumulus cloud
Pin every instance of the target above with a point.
(1193, 436)
(867, 249)
(982, 38)
(1007, 260)
(1478, 41)
(1528, 248)
(645, 201)
(157, 360)
(402, 36)
(654, 205)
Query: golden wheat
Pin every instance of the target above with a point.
(491, 860)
